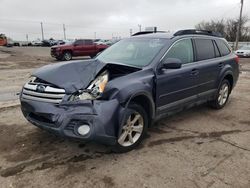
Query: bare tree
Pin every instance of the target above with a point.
(213, 25)
(228, 28)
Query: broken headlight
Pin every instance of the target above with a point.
(94, 90)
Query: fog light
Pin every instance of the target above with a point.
(83, 129)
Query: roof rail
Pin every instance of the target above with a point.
(147, 32)
(199, 32)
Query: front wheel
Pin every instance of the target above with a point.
(134, 128)
(67, 56)
(222, 95)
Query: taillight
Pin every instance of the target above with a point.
(237, 59)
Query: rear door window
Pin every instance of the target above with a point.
(182, 50)
(204, 49)
(224, 50)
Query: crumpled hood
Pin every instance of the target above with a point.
(70, 76)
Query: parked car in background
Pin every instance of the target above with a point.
(115, 97)
(36, 42)
(105, 42)
(60, 42)
(10, 42)
(26, 43)
(49, 43)
(3, 40)
(82, 47)
(63, 42)
(243, 51)
(16, 43)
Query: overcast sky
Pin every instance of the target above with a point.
(108, 18)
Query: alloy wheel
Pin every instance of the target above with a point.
(132, 130)
(223, 94)
(67, 56)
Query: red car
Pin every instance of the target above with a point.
(82, 47)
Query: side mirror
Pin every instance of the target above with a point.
(171, 63)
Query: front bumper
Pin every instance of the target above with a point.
(55, 53)
(63, 119)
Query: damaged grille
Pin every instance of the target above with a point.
(42, 92)
(44, 119)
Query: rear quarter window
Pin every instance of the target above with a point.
(224, 49)
(204, 49)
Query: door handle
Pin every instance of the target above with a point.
(194, 72)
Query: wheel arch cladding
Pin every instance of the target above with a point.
(145, 100)
(227, 73)
(229, 77)
(140, 97)
(67, 50)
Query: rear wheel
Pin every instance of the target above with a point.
(133, 130)
(67, 56)
(222, 95)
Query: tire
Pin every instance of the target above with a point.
(67, 56)
(134, 128)
(222, 95)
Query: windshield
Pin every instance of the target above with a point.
(245, 48)
(134, 51)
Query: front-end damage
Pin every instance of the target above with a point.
(66, 118)
(84, 112)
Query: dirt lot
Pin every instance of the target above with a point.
(197, 148)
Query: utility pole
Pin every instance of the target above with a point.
(131, 32)
(27, 37)
(139, 25)
(42, 30)
(64, 31)
(95, 35)
(239, 27)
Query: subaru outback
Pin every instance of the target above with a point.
(115, 97)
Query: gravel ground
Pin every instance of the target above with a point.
(197, 148)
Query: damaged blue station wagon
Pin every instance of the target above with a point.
(115, 97)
